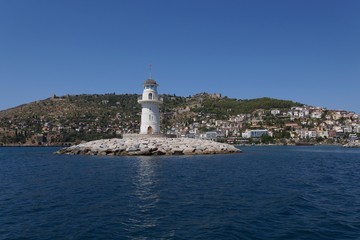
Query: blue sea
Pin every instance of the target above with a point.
(287, 192)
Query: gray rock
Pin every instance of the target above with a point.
(149, 146)
(189, 150)
(132, 149)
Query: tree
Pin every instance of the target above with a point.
(266, 139)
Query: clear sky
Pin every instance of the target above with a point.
(302, 50)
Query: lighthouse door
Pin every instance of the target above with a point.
(149, 130)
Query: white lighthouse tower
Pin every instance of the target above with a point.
(150, 114)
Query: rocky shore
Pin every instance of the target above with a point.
(352, 145)
(149, 146)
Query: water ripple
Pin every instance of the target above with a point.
(264, 193)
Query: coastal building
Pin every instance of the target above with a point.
(209, 136)
(357, 128)
(256, 133)
(150, 103)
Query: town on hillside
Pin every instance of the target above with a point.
(70, 119)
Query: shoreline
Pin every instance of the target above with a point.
(238, 145)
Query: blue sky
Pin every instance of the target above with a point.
(302, 50)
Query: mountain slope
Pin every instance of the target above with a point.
(86, 117)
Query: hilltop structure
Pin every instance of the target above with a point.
(150, 103)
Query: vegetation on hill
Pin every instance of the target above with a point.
(73, 118)
(222, 108)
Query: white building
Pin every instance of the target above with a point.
(316, 115)
(308, 133)
(357, 128)
(275, 112)
(254, 133)
(150, 114)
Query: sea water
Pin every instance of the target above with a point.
(307, 192)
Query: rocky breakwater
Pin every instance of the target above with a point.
(352, 145)
(149, 146)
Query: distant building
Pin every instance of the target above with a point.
(216, 95)
(353, 137)
(256, 133)
(306, 133)
(275, 112)
(211, 135)
(316, 114)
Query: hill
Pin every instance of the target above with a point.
(73, 118)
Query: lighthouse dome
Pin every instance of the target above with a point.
(150, 81)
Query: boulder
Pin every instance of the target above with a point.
(189, 150)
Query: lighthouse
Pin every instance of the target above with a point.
(150, 103)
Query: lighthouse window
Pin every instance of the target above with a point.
(150, 96)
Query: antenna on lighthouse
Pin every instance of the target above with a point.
(150, 69)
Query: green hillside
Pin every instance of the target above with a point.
(222, 108)
(73, 118)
